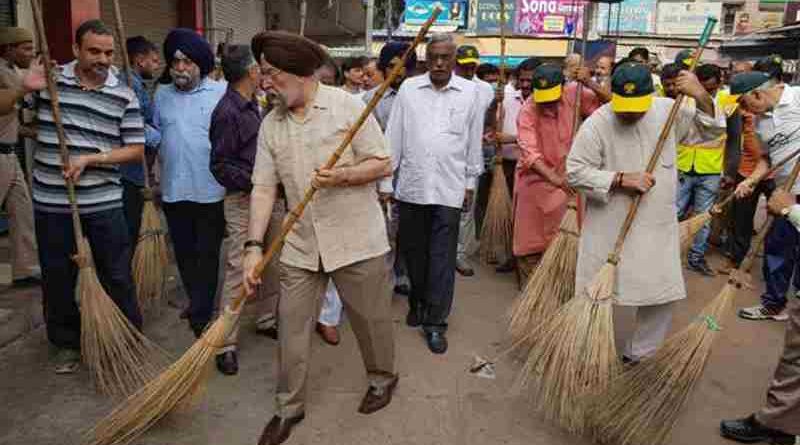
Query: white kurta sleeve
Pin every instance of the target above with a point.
(585, 164)
(475, 144)
(394, 139)
(694, 126)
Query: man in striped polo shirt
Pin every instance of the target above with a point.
(104, 128)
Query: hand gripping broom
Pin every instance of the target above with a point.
(643, 404)
(575, 353)
(150, 257)
(496, 233)
(552, 283)
(182, 382)
(689, 227)
(120, 358)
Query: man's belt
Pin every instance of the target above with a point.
(7, 149)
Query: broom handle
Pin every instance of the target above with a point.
(52, 89)
(579, 88)
(613, 258)
(297, 212)
(501, 85)
(748, 260)
(760, 177)
(126, 65)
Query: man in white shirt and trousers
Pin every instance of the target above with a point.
(435, 133)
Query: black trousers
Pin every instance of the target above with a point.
(133, 202)
(196, 230)
(744, 211)
(107, 233)
(428, 240)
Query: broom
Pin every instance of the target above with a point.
(576, 353)
(689, 227)
(182, 382)
(150, 257)
(643, 405)
(553, 281)
(497, 231)
(119, 357)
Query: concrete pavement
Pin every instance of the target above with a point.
(437, 400)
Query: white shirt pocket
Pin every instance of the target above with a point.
(456, 121)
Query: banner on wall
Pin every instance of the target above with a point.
(453, 13)
(637, 16)
(750, 21)
(487, 16)
(549, 18)
(687, 18)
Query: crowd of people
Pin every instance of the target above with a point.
(235, 141)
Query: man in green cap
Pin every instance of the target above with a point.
(17, 54)
(545, 130)
(607, 163)
(777, 110)
(467, 62)
(777, 107)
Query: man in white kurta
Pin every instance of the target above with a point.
(607, 163)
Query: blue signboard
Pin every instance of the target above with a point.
(638, 16)
(453, 13)
(487, 20)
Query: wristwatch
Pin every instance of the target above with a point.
(253, 243)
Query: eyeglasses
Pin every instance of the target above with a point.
(271, 72)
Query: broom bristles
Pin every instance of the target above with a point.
(552, 282)
(120, 358)
(150, 259)
(643, 405)
(575, 355)
(177, 387)
(497, 230)
(688, 229)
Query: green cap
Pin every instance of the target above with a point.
(746, 82)
(547, 80)
(14, 35)
(466, 54)
(684, 58)
(631, 88)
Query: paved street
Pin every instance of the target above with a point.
(437, 401)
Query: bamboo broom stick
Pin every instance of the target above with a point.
(150, 257)
(575, 352)
(643, 405)
(181, 383)
(497, 229)
(120, 358)
(689, 227)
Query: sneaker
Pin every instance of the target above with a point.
(701, 267)
(68, 361)
(463, 268)
(762, 312)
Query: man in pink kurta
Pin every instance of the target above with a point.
(544, 134)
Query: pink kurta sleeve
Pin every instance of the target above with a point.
(528, 137)
(589, 102)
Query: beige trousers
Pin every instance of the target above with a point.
(782, 411)
(17, 201)
(650, 327)
(237, 216)
(366, 292)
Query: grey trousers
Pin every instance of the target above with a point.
(782, 411)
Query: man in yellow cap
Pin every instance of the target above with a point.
(16, 54)
(544, 133)
(607, 163)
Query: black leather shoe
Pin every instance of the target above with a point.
(437, 342)
(748, 430)
(402, 289)
(377, 398)
(228, 363)
(279, 429)
(414, 317)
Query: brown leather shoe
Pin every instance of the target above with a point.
(328, 333)
(279, 429)
(377, 398)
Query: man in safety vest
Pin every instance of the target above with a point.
(700, 164)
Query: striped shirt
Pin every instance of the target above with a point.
(95, 121)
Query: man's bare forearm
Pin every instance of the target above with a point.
(368, 171)
(124, 155)
(262, 199)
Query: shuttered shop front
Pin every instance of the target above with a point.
(239, 19)
(8, 13)
(150, 18)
